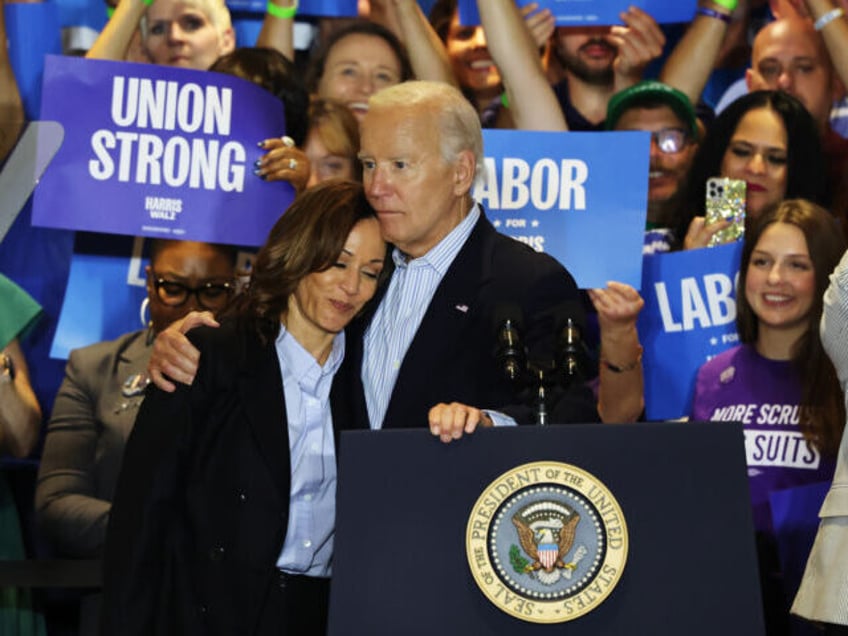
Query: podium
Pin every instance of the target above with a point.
(404, 501)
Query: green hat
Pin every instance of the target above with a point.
(652, 92)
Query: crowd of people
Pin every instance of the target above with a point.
(197, 456)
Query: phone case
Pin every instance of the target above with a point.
(726, 200)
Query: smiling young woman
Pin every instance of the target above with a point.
(779, 382)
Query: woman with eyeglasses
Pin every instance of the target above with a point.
(224, 512)
(99, 398)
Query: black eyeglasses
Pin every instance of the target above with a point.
(212, 296)
(670, 140)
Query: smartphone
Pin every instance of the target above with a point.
(726, 201)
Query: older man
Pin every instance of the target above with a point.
(430, 340)
(427, 354)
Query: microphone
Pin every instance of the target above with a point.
(508, 323)
(569, 319)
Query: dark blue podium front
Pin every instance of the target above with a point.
(404, 500)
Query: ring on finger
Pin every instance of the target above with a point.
(292, 164)
(288, 142)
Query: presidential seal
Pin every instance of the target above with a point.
(546, 542)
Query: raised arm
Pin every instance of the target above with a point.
(114, 40)
(692, 61)
(531, 99)
(834, 31)
(621, 389)
(426, 51)
(277, 30)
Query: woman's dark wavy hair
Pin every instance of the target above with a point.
(441, 16)
(308, 238)
(822, 409)
(806, 177)
(274, 72)
(358, 27)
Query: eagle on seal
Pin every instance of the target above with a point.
(547, 545)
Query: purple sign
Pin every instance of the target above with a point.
(158, 151)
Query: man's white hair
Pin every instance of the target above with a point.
(458, 123)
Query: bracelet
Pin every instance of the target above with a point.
(627, 367)
(730, 5)
(827, 18)
(712, 13)
(147, 3)
(285, 13)
(110, 11)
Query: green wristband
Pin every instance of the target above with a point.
(730, 5)
(148, 2)
(286, 13)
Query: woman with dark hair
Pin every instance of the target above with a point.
(779, 382)
(355, 62)
(224, 512)
(765, 138)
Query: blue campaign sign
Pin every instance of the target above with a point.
(563, 193)
(152, 150)
(689, 317)
(595, 12)
(323, 8)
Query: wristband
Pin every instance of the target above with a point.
(712, 13)
(627, 367)
(285, 13)
(110, 11)
(827, 18)
(147, 2)
(730, 5)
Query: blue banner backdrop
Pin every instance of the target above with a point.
(562, 194)
(689, 317)
(595, 12)
(151, 150)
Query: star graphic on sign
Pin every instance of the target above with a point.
(713, 341)
(534, 223)
(496, 223)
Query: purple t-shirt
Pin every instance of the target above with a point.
(739, 385)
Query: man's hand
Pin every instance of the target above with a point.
(639, 42)
(174, 355)
(541, 24)
(618, 306)
(450, 421)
